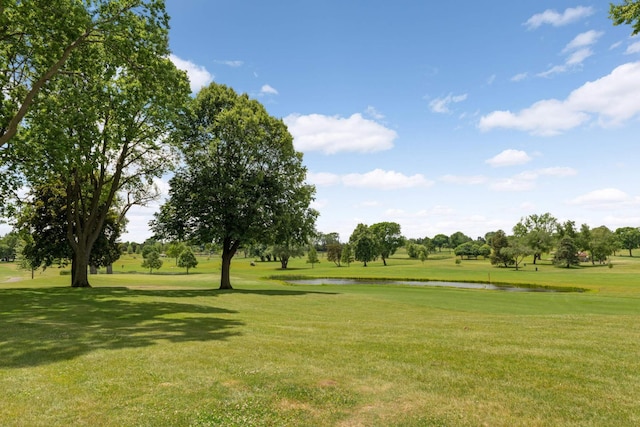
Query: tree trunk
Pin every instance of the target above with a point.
(384, 261)
(225, 279)
(93, 269)
(284, 262)
(110, 269)
(79, 276)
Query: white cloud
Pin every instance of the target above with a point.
(334, 134)
(198, 75)
(526, 180)
(519, 77)
(464, 180)
(509, 158)
(607, 197)
(633, 48)
(323, 178)
(385, 180)
(268, 90)
(441, 105)
(373, 113)
(612, 99)
(577, 50)
(583, 39)
(557, 19)
(230, 63)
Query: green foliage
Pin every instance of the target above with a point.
(242, 180)
(187, 259)
(566, 254)
(629, 238)
(388, 237)
(346, 254)
(334, 253)
(312, 256)
(152, 261)
(626, 13)
(364, 243)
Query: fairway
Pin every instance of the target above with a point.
(169, 349)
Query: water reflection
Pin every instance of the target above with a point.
(463, 285)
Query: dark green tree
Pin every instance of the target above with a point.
(458, 238)
(346, 254)
(440, 241)
(241, 175)
(629, 238)
(365, 246)
(517, 250)
(566, 253)
(334, 252)
(499, 240)
(389, 238)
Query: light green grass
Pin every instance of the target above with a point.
(169, 349)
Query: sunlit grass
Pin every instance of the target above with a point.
(169, 349)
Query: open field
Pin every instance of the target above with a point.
(169, 349)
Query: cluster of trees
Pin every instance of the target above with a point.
(92, 110)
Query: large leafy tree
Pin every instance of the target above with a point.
(538, 231)
(38, 40)
(389, 238)
(629, 238)
(500, 240)
(364, 244)
(101, 127)
(241, 178)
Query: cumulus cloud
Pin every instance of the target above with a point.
(607, 197)
(556, 19)
(334, 134)
(268, 90)
(509, 158)
(612, 100)
(385, 180)
(198, 75)
(441, 105)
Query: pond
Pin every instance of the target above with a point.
(463, 285)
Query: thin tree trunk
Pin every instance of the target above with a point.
(229, 248)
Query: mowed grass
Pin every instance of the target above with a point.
(170, 349)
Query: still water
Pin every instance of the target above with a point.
(463, 285)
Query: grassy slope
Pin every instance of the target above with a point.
(167, 349)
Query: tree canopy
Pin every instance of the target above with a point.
(241, 177)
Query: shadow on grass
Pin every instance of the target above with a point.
(46, 325)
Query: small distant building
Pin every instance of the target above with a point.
(583, 256)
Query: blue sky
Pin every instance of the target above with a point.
(441, 116)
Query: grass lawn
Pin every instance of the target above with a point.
(169, 349)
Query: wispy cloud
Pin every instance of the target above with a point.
(464, 179)
(334, 134)
(268, 90)
(633, 48)
(509, 158)
(556, 19)
(441, 105)
(198, 75)
(373, 113)
(612, 100)
(230, 63)
(577, 50)
(519, 77)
